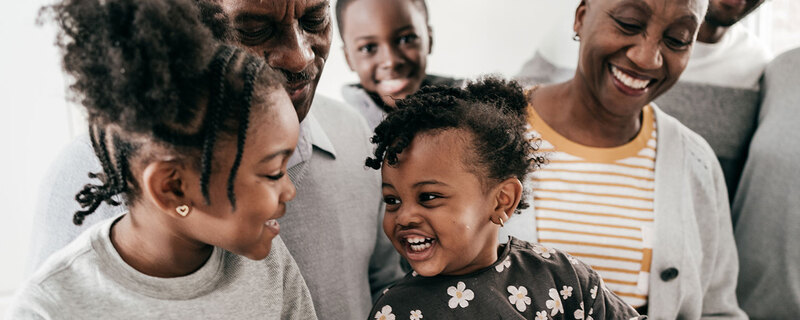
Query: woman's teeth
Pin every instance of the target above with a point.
(628, 80)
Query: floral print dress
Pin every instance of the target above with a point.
(528, 281)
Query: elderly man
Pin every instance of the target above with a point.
(332, 227)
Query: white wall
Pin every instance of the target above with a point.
(33, 126)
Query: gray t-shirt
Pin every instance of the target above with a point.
(89, 280)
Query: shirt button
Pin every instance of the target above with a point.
(669, 274)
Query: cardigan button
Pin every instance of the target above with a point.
(669, 274)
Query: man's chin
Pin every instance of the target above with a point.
(301, 99)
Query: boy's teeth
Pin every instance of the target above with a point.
(628, 80)
(417, 240)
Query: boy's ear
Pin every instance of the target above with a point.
(347, 58)
(163, 183)
(508, 193)
(430, 39)
(580, 13)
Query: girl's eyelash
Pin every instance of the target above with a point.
(276, 177)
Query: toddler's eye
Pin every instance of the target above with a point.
(391, 200)
(427, 197)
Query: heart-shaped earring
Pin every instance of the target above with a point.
(183, 210)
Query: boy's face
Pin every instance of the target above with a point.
(387, 43)
(437, 213)
(294, 36)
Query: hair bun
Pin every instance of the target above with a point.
(506, 94)
(136, 63)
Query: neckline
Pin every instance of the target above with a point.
(185, 287)
(599, 154)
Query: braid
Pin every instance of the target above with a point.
(219, 69)
(92, 195)
(252, 67)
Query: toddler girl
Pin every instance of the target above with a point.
(452, 164)
(195, 135)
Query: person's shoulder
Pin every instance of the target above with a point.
(69, 260)
(750, 43)
(339, 119)
(696, 146)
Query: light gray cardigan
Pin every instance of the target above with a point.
(695, 265)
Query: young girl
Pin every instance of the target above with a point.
(195, 135)
(452, 164)
(386, 42)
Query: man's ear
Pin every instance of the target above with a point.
(430, 39)
(508, 193)
(163, 183)
(347, 58)
(580, 13)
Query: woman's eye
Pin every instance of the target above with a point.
(407, 39)
(676, 43)
(629, 27)
(367, 48)
(276, 176)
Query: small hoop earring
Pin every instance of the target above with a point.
(183, 210)
(576, 37)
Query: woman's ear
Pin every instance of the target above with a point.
(163, 183)
(580, 13)
(508, 193)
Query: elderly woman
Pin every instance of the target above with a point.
(628, 189)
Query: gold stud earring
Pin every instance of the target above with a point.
(183, 210)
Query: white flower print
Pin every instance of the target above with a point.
(503, 265)
(460, 295)
(385, 313)
(416, 315)
(593, 291)
(543, 251)
(555, 303)
(566, 292)
(519, 297)
(579, 314)
(414, 273)
(541, 315)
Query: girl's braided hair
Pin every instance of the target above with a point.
(492, 110)
(156, 69)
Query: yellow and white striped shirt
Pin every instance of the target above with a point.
(597, 204)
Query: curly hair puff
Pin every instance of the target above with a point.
(492, 109)
(155, 69)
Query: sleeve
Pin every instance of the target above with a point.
(384, 265)
(719, 299)
(52, 218)
(605, 304)
(29, 304)
(297, 303)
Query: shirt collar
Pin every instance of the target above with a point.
(311, 135)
